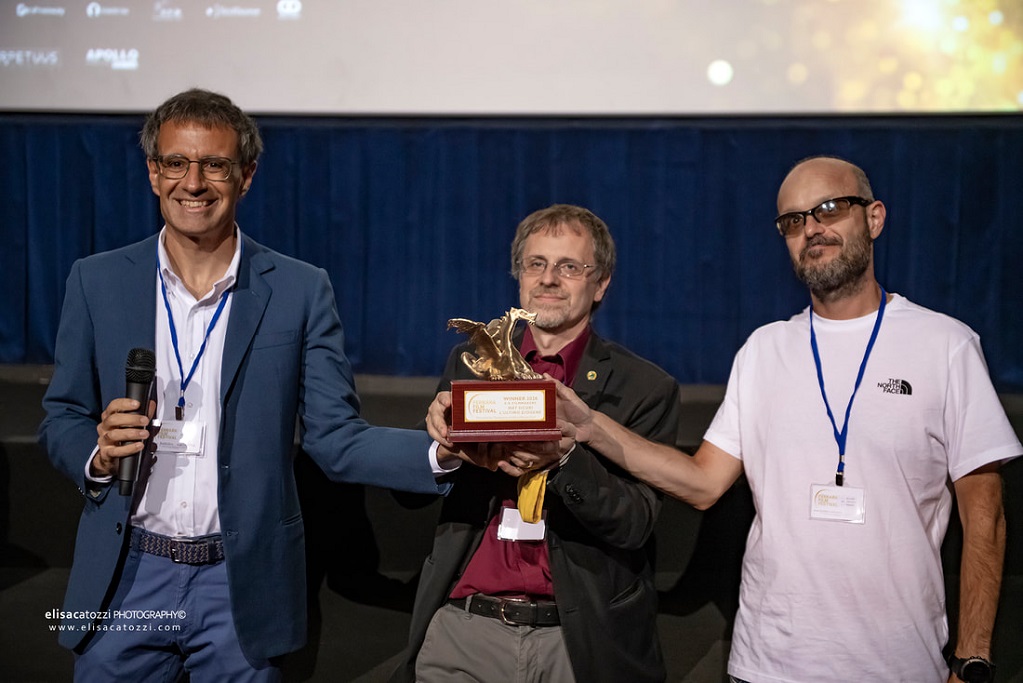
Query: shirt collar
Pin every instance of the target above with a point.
(226, 281)
(570, 355)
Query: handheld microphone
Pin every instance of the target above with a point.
(139, 372)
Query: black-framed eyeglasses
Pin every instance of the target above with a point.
(825, 213)
(175, 166)
(567, 268)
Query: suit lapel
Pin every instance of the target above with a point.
(594, 370)
(140, 307)
(250, 298)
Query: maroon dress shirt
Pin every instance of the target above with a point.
(520, 568)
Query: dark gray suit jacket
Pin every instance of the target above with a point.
(599, 526)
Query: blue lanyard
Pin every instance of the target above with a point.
(841, 436)
(179, 411)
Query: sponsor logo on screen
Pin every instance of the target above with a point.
(23, 10)
(29, 59)
(167, 11)
(118, 59)
(95, 10)
(219, 11)
(289, 9)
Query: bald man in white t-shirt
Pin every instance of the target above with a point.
(855, 422)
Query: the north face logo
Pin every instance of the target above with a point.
(896, 386)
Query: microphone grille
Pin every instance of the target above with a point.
(141, 366)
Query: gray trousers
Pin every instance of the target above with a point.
(460, 646)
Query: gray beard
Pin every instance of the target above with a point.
(841, 276)
(549, 320)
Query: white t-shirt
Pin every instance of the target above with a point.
(837, 601)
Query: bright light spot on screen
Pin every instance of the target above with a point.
(961, 24)
(999, 64)
(996, 18)
(720, 72)
(923, 14)
(1019, 98)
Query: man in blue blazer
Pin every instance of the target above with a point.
(201, 568)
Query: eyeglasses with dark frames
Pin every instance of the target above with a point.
(825, 213)
(175, 166)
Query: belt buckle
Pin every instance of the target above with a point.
(175, 553)
(179, 552)
(504, 618)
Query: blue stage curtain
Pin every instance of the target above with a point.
(412, 218)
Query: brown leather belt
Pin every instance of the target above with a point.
(517, 611)
(204, 550)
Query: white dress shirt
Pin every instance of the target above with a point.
(179, 497)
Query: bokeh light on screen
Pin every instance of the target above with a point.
(720, 72)
(876, 56)
(912, 55)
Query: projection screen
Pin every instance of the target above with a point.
(517, 57)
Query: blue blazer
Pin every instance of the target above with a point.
(283, 358)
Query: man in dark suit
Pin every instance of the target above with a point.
(202, 568)
(573, 597)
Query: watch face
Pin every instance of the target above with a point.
(976, 672)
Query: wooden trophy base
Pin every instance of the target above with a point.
(509, 410)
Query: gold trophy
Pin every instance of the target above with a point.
(509, 402)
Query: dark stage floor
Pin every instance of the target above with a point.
(369, 562)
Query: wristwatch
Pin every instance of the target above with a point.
(972, 669)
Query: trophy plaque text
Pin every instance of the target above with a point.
(510, 402)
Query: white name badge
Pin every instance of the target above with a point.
(514, 528)
(181, 437)
(837, 503)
